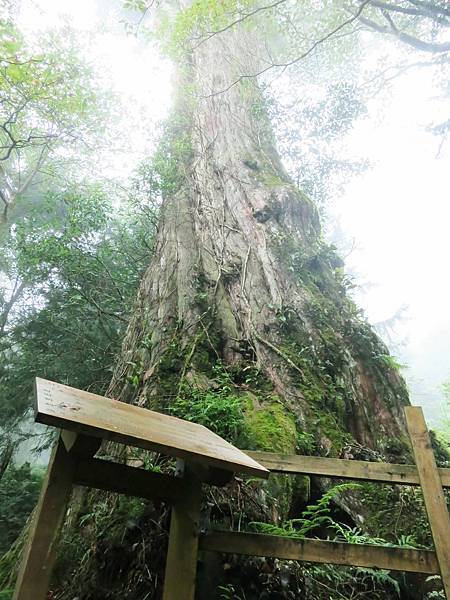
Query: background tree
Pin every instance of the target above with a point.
(50, 110)
(78, 262)
(47, 102)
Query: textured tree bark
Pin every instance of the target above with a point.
(241, 279)
(242, 275)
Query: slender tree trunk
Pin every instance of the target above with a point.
(6, 456)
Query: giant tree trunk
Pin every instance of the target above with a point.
(242, 276)
(242, 284)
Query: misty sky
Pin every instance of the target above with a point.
(396, 214)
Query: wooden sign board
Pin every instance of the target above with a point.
(75, 410)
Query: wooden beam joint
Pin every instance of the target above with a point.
(122, 479)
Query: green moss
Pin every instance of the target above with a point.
(270, 427)
(327, 426)
(273, 180)
(168, 371)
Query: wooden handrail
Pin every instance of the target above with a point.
(343, 468)
(321, 551)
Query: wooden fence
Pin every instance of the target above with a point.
(425, 474)
(86, 419)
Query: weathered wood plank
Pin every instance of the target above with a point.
(182, 554)
(114, 477)
(344, 469)
(75, 410)
(432, 491)
(321, 551)
(39, 553)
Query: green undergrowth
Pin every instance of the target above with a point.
(395, 511)
(239, 404)
(220, 410)
(8, 566)
(108, 548)
(322, 582)
(313, 517)
(19, 491)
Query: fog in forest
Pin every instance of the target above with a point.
(390, 221)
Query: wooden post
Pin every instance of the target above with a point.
(432, 490)
(182, 554)
(39, 552)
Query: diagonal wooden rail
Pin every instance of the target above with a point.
(433, 493)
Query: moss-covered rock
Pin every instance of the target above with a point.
(270, 426)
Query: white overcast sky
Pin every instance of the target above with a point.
(397, 213)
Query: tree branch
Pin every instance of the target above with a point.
(415, 42)
(244, 17)
(15, 295)
(285, 65)
(416, 11)
(430, 6)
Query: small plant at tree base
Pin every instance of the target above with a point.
(313, 517)
(220, 408)
(228, 592)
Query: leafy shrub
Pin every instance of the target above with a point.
(219, 408)
(220, 411)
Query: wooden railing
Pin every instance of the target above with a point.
(425, 474)
(86, 419)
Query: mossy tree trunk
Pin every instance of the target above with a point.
(242, 279)
(243, 318)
